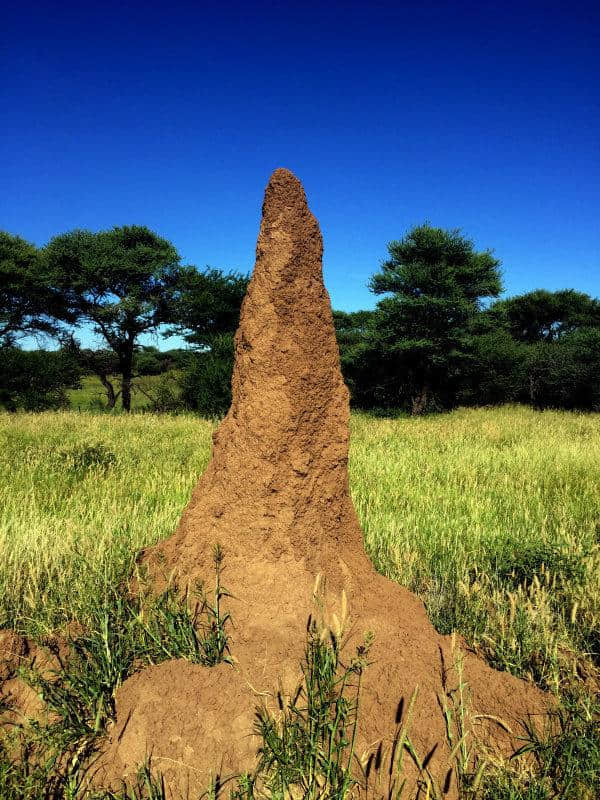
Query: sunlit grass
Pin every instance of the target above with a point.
(492, 516)
(69, 521)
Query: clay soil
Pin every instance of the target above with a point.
(275, 498)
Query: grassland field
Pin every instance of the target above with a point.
(492, 516)
(91, 396)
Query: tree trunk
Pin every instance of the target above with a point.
(126, 387)
(111, 397)
(126, 364)
(419, 401)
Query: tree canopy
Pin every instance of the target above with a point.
(29, 303)
(546, 316)
(437, 281)
(208, 304)
(431, 343)
(207, 314)
(121, 281)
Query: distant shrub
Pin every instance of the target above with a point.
(36, 380)
(166, 396)
(206, 381)
(148, 362)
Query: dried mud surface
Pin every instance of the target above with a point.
(18, 700)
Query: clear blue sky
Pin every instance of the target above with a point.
(483, 116)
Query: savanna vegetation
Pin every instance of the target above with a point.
(491, 516)
(438, 338)
(488, 511)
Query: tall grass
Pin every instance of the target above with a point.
(492, 516)
(80, 494)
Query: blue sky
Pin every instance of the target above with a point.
(483, 116)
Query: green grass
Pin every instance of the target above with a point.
(493, 518)
(68, 524)
(491, 515)
(145, 390)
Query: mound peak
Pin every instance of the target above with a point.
(277, 483)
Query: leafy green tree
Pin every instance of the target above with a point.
(566, 373)
(104, 364)
(122, 282)
(543, 316)
(36, 380)
(419, 337)
(205, 384)
(207, 313)
(352, 330)
(148, 361)
(176, 358)
(208, 304)
(493, 369)
(28, 302)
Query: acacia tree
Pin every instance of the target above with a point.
(207, 313)
(543, 316)
(436, 281)
(122, 282)
(29, 304)
(208, 304)
(102, 363)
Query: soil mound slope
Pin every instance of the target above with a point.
(275, 497)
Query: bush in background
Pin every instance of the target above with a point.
(36, 380)
(206, 381)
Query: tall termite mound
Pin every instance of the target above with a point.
(275, 497)
(276, 489)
